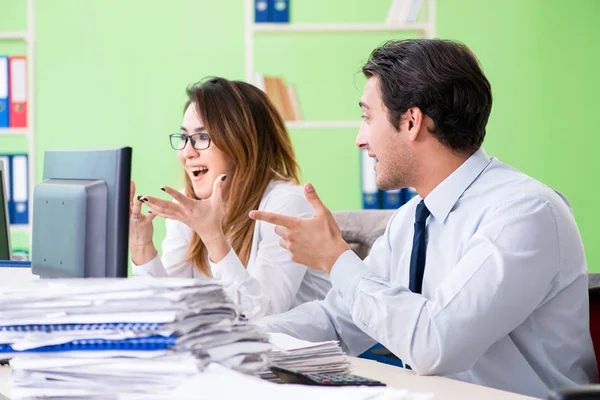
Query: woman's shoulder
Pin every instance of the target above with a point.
(285, 197)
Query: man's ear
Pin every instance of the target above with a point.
(414, 117)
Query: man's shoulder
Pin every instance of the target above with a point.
(502, 184)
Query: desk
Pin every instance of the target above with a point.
(442, 388)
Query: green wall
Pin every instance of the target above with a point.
(113, 73)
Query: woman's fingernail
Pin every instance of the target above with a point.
(149, 212)
(162, 188)
(223, 178)
(252, 214)
(139, 197)
(144, 199)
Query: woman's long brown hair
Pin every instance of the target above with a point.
(245, 125)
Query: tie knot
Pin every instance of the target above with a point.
(422, 213)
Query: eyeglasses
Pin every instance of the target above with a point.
(200, 141)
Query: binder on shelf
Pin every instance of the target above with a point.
(291, 91)
(391, 199)
(408, 193)
(414, 11)
(280, 11)
(281, 95)
(17, 73)
(370, 192)
(261, 11)
(288, 112)
(19, 206)
(399, 11)
(260, 81)
(4, 119)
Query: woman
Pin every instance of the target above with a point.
(237, 156)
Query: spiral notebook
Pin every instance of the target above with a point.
(134, 344)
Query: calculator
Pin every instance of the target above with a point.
(289, 376)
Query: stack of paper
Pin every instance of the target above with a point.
(220, 383)
(306, 357)
(87, 338)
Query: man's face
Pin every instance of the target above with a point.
(395, 161)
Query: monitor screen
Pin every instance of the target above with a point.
(81, 214)
(4, 221)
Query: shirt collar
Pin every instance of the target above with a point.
(444, 196)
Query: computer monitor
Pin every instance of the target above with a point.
(4, 221)
(81, 214)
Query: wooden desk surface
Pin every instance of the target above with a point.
(442, 388)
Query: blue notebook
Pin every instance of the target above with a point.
(133, 344)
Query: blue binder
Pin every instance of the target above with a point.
(4, 104)
(370, 192)
(392, 199)
(372, 354)
(280, 11)
(407, 194)
(262, 11)
(18, 206)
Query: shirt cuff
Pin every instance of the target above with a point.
(151, 268)
(347, 271)
(230, 269)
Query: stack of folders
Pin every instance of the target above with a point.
(305, 357)
(105, 338)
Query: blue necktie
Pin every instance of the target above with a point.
(417, 256)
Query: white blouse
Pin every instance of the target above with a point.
(271, 283)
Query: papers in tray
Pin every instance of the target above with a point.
(303, 356)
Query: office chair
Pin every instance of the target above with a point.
(587, 392)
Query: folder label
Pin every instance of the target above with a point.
(18, 80)
(20, 203)
(3, 78)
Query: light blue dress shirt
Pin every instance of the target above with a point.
(504, 302)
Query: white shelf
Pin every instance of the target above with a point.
(14, 35)
(361, 27)
(14, 131)
(20, 228)
(323, 124)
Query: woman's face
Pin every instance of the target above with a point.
(202, 166)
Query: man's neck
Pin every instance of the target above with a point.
(436, 168)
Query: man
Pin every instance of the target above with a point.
(481, 277)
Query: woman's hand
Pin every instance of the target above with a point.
(204, 217)
(141, 230)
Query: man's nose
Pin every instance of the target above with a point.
(362, 137)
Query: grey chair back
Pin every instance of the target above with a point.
(360, 228)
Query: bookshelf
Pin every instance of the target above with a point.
(28, 37)
(252, 29)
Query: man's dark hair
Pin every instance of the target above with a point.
(441, 77)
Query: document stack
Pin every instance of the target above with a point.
(109, 338)
(306, 357)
